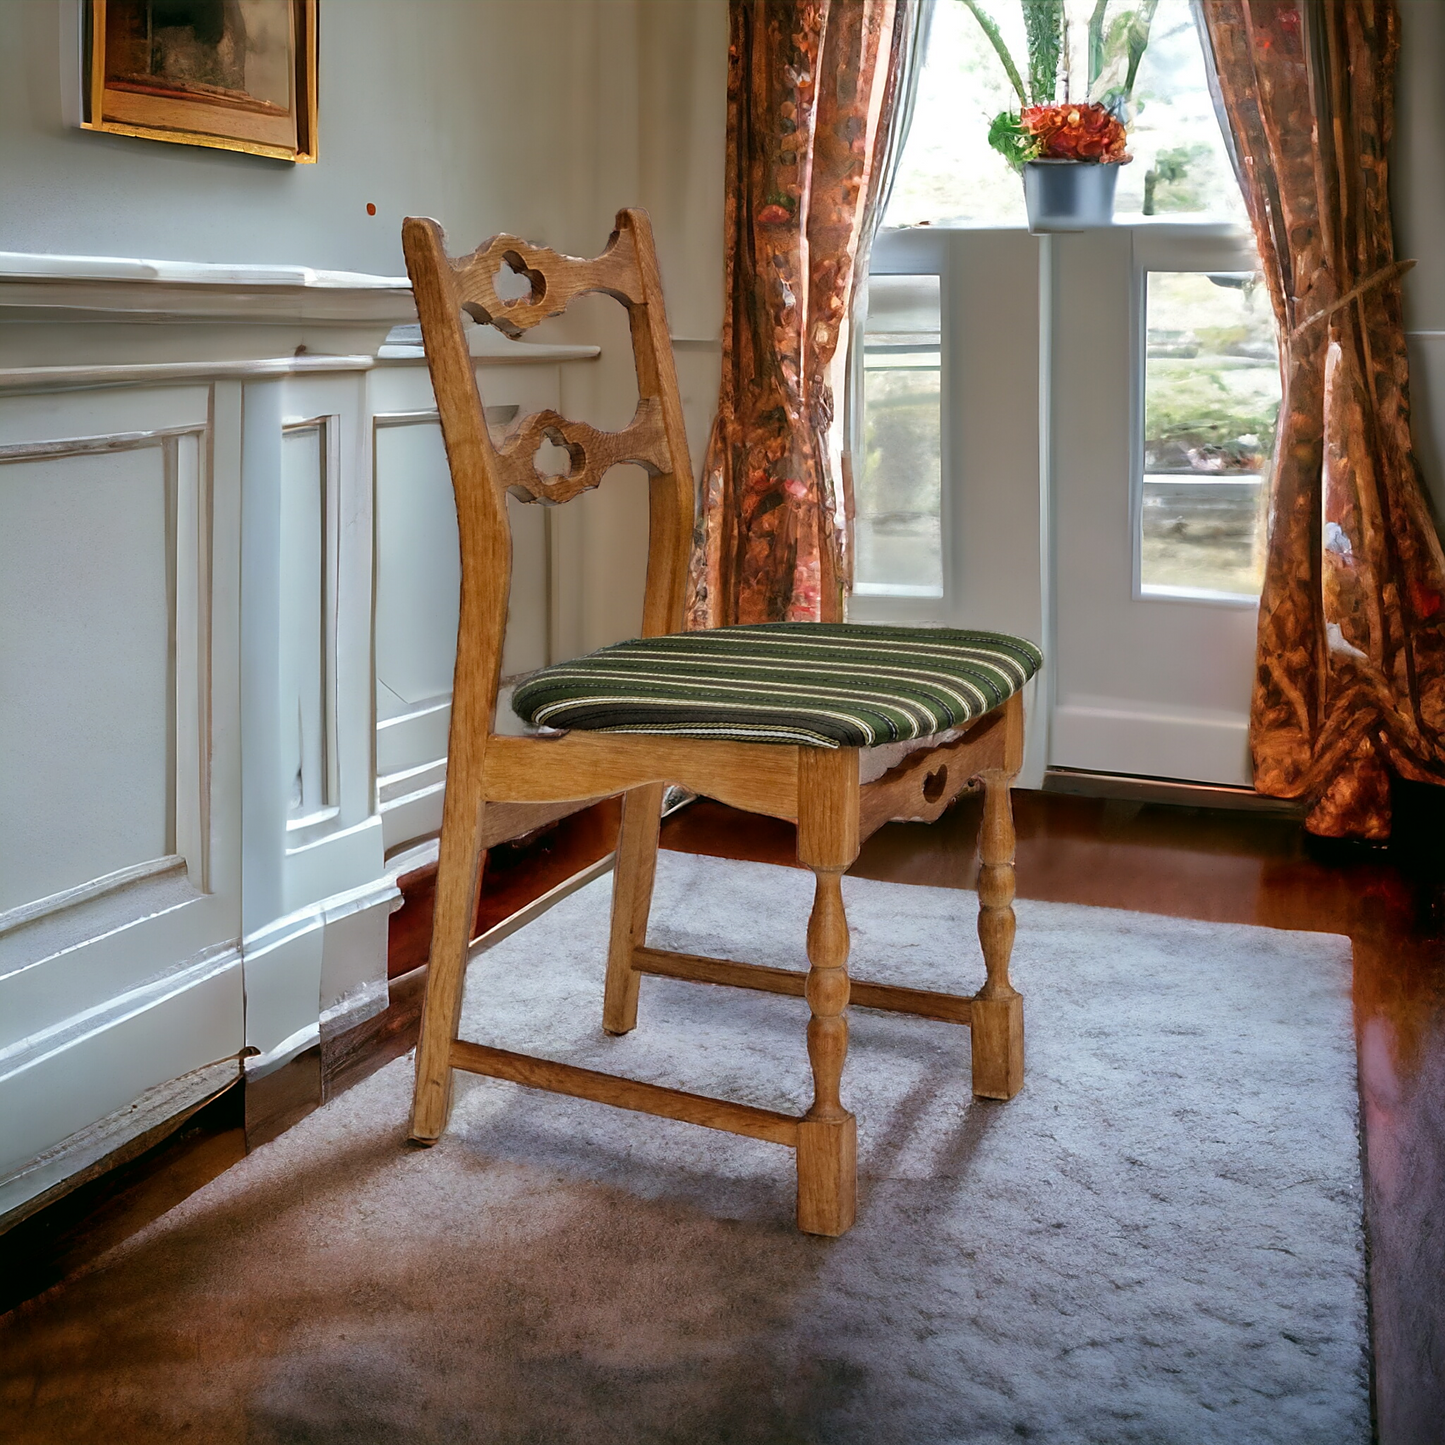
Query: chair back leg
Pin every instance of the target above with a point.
(632, 880)
(828, 1133)
(459, 875)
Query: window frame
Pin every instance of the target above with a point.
(915, 251)
(892, 600)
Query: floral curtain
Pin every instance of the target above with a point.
(812, 90)
(1350, 679)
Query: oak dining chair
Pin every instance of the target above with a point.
(838, 728)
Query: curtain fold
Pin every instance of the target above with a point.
(813, 89)
(1350, 676)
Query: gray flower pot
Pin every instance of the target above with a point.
(1069, 195)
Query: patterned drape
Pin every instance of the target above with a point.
(812, 86)
(1350, 680)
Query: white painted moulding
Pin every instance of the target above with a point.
(25, 913)
(68, 378)
(412, 815)
(367, 997)
(118, 288)
(94, 952)
(128, 288)
(280, 931)
(258, 1063)
(46, 1043)
(485, 343)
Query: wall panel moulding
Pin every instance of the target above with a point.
(227, 612)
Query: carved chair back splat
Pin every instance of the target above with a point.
(818, 788)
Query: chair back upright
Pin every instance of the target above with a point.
(483, 473)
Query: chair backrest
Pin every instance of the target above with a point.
(482, 474)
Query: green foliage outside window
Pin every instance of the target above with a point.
(902, 443)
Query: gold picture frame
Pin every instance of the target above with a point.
(239, 75)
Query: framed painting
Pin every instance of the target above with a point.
(236, 74)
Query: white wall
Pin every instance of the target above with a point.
(427, 106)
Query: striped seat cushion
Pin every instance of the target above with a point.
(819, 684)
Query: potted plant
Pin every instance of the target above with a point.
(1069, 151)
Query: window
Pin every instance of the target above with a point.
(1071, 446)
(1207, 371)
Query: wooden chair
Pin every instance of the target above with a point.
(816, 786)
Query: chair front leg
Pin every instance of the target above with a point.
(997, 1016)
(459, 872)
(828, 1134)
(632, 880)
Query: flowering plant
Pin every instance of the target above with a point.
(1043, 128)
(1086, 132)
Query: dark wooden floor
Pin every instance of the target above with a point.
(1231, 867)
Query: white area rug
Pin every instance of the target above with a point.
(1159, 1239)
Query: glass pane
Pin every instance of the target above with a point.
(1211, 396)
(950, 176)
(899, 489)
(1180, 166)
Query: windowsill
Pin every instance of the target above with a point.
(1203, 223)
(1155, 592)
(888, 589)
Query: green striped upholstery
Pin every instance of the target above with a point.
(820, 684)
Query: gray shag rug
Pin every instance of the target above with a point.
(1159, 1239)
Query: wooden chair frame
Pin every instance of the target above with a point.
(816, 788)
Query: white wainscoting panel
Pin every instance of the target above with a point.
(418, 572)
(228, 608)
(87, 544)
(133, 461)
(311, 830)
(53, 1092)
(308, 586)
(418, 578)
(120, 968)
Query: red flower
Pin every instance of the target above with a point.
(1085, 132)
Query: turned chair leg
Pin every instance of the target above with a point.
(997, 1018)
(828, 1133)
(459, 872)
(632, 879)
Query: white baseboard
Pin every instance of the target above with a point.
(324, 962)
(59, 1085)
(1109, 736)
(78, 1157)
